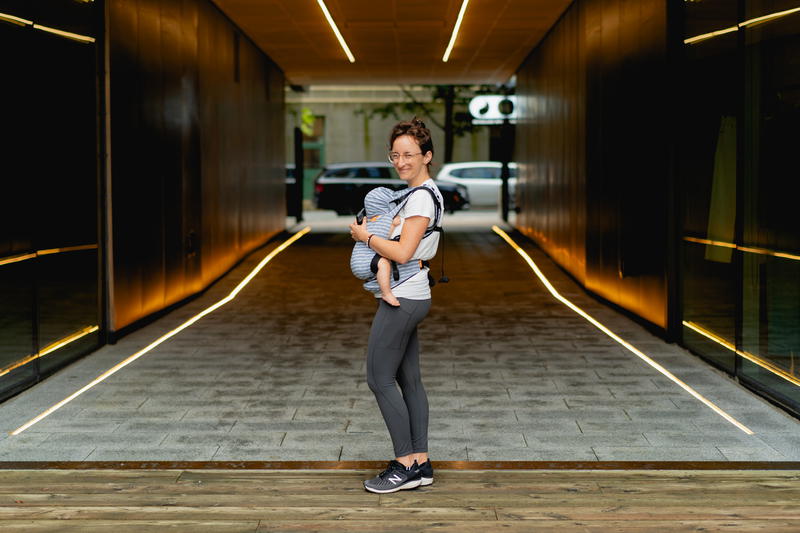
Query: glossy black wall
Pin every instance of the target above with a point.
(593, 151)
(196, 155)
(49, 264)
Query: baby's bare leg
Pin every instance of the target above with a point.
(384, 282)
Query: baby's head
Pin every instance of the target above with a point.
(376, 202)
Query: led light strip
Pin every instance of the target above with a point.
(16, 259)
(614, 336)
(750, 249)
(751, 22)
(336, 30)
(49, 349)
(446, 55)
(15, 20)
(25, 257)
(68, 34)
(709, 35)
(166, 336)
(766, 365)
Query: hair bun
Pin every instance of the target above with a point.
(417, 122)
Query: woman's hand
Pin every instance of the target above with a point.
(359, 231)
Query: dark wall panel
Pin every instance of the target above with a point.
(551, 147)
(594, 151)
(196, 150)
(49, 218)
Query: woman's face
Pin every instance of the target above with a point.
(409, 166)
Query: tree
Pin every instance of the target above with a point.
(455, 98)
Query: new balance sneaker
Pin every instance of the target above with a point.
(426, 473)
(395, 477)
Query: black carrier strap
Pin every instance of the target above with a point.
(437, 226)
(437, 208)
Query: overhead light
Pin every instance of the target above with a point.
(446, 55)
(336, 30)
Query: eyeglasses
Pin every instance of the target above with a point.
(394, 157)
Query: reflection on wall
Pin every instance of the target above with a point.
(49, 305)
(592, 140)
(722, 212)
(197, 151)
(742, 296)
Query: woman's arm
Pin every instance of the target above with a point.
(400, 252)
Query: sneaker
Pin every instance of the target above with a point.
(426, 473)
(395, 478)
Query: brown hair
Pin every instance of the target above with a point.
(416, 129)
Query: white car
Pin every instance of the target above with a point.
(482, 180)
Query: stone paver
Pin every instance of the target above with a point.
(278, 374)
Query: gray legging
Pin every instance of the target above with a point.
(393, 358)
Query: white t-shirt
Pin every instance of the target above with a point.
(420, 203)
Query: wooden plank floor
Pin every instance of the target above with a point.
(459, 501)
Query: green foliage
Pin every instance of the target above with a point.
(307, 121)
(462, 94)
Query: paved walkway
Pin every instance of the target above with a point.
(278, 374)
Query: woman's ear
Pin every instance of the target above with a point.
(428, 157)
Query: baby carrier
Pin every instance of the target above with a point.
(381, 205)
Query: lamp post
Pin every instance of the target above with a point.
(506, 108)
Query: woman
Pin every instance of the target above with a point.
(393, 352)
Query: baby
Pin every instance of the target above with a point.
(385, 272)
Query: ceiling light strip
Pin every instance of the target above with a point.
(336, 30)
(614, 336)
(446, 55)
(766, 365)
(166, 336)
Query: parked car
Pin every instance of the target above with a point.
(342, 187)
(482, 180)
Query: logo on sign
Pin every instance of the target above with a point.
(493, 108)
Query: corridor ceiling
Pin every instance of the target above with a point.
(395, 41)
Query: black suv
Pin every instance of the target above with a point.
(342, 187)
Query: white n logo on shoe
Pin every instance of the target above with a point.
(395, 478)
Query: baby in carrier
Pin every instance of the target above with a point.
(384, 273)
(381, 206)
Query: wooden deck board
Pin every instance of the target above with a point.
(464, 501)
